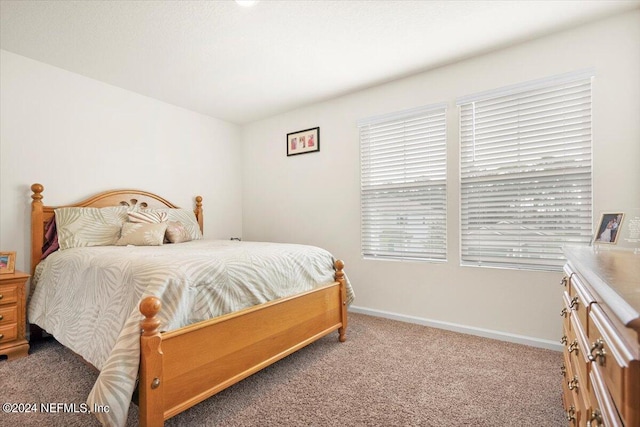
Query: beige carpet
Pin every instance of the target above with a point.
(388, 373)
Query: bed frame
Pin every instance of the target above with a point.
(181, 368)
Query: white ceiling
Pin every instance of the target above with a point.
(244, 64)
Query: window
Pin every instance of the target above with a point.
(403, 185)
(525, 173)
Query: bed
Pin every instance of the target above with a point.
(174, 348)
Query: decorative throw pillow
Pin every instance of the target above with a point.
(176, 233)
(84, 226)
(185, 217)
(142, 234)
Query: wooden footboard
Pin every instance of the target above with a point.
(181, 368)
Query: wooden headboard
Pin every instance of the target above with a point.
(41, 214)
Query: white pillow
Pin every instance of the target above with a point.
(79, 227)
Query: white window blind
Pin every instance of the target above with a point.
(403, 185)
(525, 166)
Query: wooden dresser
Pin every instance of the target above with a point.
(601, 337)
(13, 315)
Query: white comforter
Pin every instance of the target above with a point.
(88, 298)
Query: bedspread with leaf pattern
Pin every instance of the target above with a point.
(88, 298)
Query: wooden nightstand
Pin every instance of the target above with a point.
(13, 315)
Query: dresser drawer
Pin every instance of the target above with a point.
(571, 407)
(602, 411)
(579, 354)
(565, 312)
(8, 294)
(8, 314)
(580, 300)
(609, 354)
(9, 332)
(569, 340)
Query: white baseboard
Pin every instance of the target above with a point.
(487, 333)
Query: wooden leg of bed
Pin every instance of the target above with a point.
(343, 335)
(339, 266)
(150, 387)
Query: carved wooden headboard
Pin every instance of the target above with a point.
(41, 214)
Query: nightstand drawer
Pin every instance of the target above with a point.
(8, 294)
(8, 314)
(13, 343)
(8, 332)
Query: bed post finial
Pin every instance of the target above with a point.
(339, 265)
(198, 212)
(37, 192)
(150, 307)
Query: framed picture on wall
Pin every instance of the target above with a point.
(608, 229)
(7, 262)
(303, 141)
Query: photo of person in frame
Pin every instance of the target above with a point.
(607, 231)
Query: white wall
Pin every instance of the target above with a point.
(77, 136)
(314, 198)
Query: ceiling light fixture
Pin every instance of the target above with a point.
(246, 3)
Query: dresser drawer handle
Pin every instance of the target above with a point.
(1, 296)
(571, 414)
(563, 370)
(600, 355)
(1, 336)
(564, 340)
(595, 416)
(564, 312)
(573, 346)
(564, 281)
(573, 384)
(1, 317)
(574, 303)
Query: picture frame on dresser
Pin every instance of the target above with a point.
(608, 229)
(7, 262)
